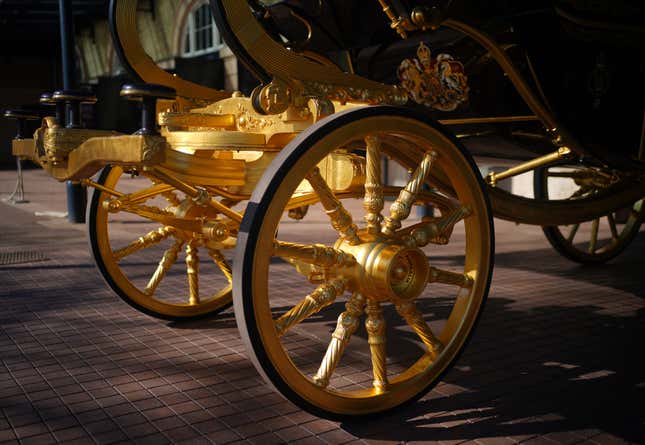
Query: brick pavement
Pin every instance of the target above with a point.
(555, 358)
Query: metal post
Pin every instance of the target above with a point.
(18, 195)
(76, 193)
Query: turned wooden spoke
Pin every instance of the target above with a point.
(373, 200)
(192, 270)
(149, 239)
(414, 319)
(401, 208)
(315, 254)
(593, 242)
(375, 326)
(612, 226)
(446, 277)
(427, 197)
(345, 327)
(572, 233)
(341, 219)
(169, 258)
(221, 262)
(438, 230)
(321, 297)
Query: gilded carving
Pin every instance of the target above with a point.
(58, 142)
(387, 95)
(153, 149)
(401, 208)
(439, 83)
(321, 297)
(345, 327)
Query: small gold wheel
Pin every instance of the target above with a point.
(588, 242)
(158, 268)
(350, 316)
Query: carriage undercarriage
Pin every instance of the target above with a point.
(219, 185)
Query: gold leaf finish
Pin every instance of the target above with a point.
(345, 327)
(401, 208)
(323, 296)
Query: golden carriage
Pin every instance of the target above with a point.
(225, 179)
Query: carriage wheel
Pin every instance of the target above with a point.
(160, 270)
(302, 288)
(588, 242)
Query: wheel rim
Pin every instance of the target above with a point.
(159, 269)
(593, 241)
(374, 281)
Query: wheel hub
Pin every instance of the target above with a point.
(386, 269)
(189, 209)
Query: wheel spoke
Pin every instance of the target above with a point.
(612, 226)
(316, 254)
(594, 235)
(438, 230)
(346, 326)
(572, 233)
(321, 297)
(148, 240)
(447, 277)
(341, 220)
(168, 259)
(401, 208)
(192, 270)
(414, 319)
(375, 326)
(221, 262)
(373, 201)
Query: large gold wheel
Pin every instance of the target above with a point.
(406, 290)
(162, 270)
(588, 242)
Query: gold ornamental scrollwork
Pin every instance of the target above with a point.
(388, 95)
(153, 149)
(59, 142)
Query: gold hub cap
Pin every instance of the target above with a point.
(386, 270)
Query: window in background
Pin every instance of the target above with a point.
(200, 34)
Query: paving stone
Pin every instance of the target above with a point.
(30, 430)
(41, 439)
(110, 437)
(68, 434)
(248, 430)
(7, 435)
(224, 436)
(266, 439)
(337, 436)
(293, 433)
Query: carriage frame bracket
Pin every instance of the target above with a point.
(559, 154)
